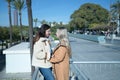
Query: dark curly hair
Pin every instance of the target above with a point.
(41, 32)
(43, 29)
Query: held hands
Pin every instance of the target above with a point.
(51, 57)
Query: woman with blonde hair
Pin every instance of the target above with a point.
(61, 55)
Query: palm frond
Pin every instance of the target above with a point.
(18, 4)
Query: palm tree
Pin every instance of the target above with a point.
(43, 22)
(50, 23)
(61, 23)
(10, 19)
(30, 21)
(35, 20)
(115, 13)
(19, 5)
(54, 23)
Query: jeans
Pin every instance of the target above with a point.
(47, 73)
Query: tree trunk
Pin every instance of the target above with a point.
(21, 26)
(10, 22)
(30, 21)
(118, 25)
(35, 23)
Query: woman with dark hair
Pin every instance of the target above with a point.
(42, 52)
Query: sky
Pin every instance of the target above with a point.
(49, 10)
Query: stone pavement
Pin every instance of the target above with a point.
(14, 76)
(113, 43)
(90, 51)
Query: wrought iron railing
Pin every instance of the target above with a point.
(96, 70)
(90, 70)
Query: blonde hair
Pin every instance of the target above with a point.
(63, 37)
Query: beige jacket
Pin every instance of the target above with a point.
(60, 62)
(41, 50)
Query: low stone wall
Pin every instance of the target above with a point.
(96, 38)
(113, 41)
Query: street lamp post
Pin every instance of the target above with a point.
(118, 25)
(118, 16)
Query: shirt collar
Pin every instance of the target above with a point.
(43, 39)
